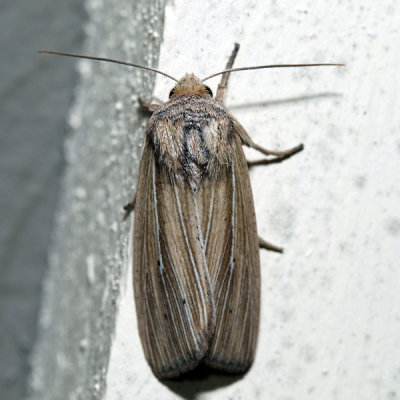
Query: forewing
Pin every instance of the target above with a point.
(172, 287)
(232, 253)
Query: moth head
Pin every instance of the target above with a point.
(188, 85)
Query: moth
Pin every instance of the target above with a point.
(196, 246)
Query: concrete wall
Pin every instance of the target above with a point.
(330, 305)
(35, 95)
(88, 256)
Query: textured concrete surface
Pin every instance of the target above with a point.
(35, 96)
(330, 305)
(89, 248)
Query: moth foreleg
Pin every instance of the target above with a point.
(147, 106)
(279, 156)
(282, 155)
(130, 206)
(269, 246)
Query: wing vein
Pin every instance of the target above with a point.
(231, 261)
(203, 301)
(188, 314)
(160, 258)
(210, 214)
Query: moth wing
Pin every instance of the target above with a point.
(171, 282)
(232, 253)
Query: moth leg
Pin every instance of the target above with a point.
(221, 91)
(283, 154)
(147, 106)
(279, 155)
(269, 246)
(129, 207)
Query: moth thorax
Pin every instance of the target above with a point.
(190, 84)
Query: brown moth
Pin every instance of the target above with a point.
(196, 247)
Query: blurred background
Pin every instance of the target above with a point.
(36, 93)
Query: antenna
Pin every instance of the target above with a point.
(272, 66)
(59, 53)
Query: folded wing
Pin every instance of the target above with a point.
(232, 253)
(172, 287)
